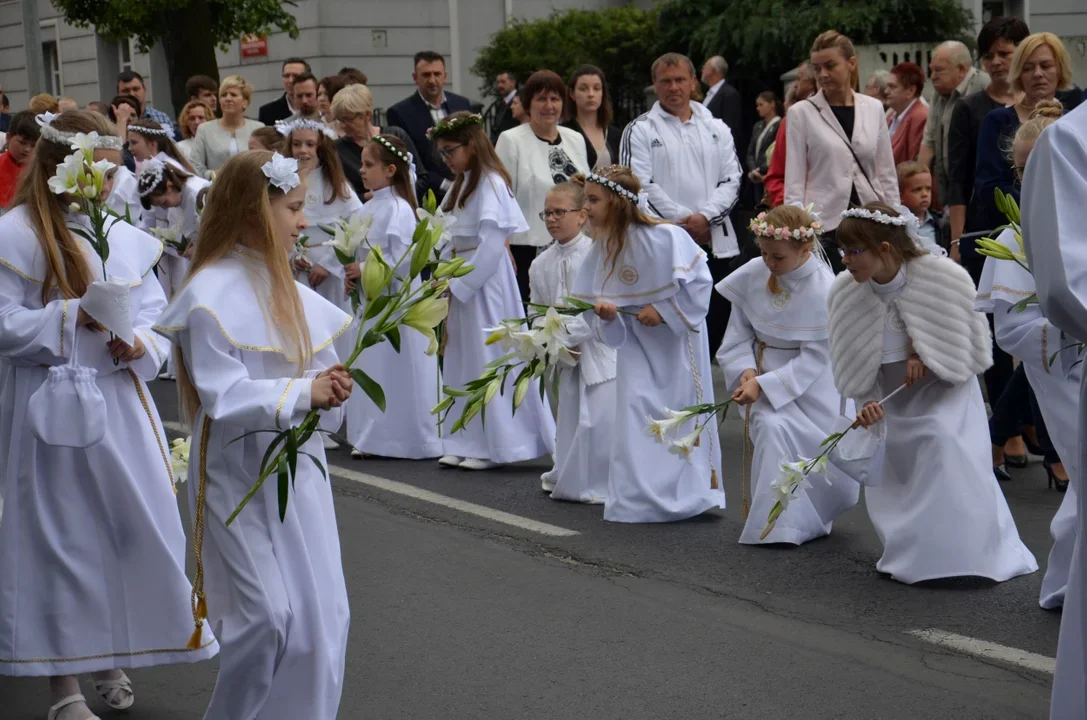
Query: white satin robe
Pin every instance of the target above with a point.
(92, 549)
(798, 404)
(1054, 218)
(275, 590)
(1028, 336)
(482, 299)
(667, 366)
(406, 429)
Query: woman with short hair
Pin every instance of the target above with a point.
(539, 155)
(216, 142)
(908, 116)
(192, 116)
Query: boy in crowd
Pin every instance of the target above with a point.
(22, 137)
(915, 192)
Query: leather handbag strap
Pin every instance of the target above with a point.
(848, 145)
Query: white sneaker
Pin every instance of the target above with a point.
(451, 461)
(330, 444)
(477, 464)
(547, 482)
(167, 376)
(356, 455)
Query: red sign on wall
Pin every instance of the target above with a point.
(254, 46)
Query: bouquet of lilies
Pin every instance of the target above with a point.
(347, 235)
(536, 345)
(171, 237)
(80, 177)
(660, 429)
(386, 310)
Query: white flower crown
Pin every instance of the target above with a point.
(282, 172)
(876, 216)
(150, 176)
(76, 140)
(144, 130)
(405, 156)
(286, 127)
(613, 186)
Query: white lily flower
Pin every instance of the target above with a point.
(179, 458)
(559, 352)
(685, 445)
(660, 429)
(85, 143)
(523, 342)
(437, 221)
(66, 179)
(350, 234)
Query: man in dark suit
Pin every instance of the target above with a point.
(281, 108)
(722, 100)
(501, 117)
(421, 110)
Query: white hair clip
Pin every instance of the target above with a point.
(144, 130)
(613, 186)
(150, 176)
(876, 216)
(45, 119)
(286, 127)
(282, 172)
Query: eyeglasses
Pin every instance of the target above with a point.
(449, 152)
(852, 251)
(558, 214)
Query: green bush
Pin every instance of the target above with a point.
(617, 40)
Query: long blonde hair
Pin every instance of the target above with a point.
(619, 215)
(241, 190)
(66, 267)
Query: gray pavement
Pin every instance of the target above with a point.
(458, 616)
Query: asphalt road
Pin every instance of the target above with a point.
(459, 615)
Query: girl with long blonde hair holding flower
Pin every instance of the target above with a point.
(256, 354)
(777, 363)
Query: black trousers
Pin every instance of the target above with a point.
(998, 377)
(720, 308)
(523, 255)
(1017, 407)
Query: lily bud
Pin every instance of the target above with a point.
(374, 274)
(446, 269)
(520, 391)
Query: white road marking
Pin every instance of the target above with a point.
(411, 491)
(987, 650)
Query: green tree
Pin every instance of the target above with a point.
(189, 30)
(766, 38)
(615, 40)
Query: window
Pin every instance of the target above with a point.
(124, 54)
(991, 9)
(54, 77)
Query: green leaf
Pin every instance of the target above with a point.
(292, 454)
(394, 338)
(370, 387)
(316, 462)
(376, 306)
(284, 486)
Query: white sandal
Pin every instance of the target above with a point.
(117, 693)
(70, 700)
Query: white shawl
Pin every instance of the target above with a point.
(937, 307)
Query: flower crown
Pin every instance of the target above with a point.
(759, 227)
(150, 176)
(405, 156)
(286, 127)
(613, 186)
(282, 172)
(451, 125)
(144, 130)
(875, 216)
(76, 140)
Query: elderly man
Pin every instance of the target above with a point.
(282, 108)
(878, 86)
(418, 112)
(953, 76)
(722, 100)
(686, 161)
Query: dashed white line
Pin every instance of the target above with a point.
(986, 650)
(416, 493)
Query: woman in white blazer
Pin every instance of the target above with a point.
(838, 151)
(539, 155)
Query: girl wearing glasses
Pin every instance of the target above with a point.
(901, 316)
(586, 397)
(487, 215)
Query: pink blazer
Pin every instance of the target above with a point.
(906, 142)
(820, 169)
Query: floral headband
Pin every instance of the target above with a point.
(150, 176)
(76, 141)
(282, 172)
(451, 125)
(286, 127)
(876, 216)
(144, 130)
(761, 228)
(405, 156)
(613, 186)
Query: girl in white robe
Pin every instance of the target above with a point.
(92, 550)
(902, 316)
(586, 398)
(486, 216)
(777, 361)
(172, 198)
(257, 351)
(406, 429)
(1029, 336)
(658, 273)
(1054, 216)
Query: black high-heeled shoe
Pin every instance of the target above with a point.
(1016, 461)
(1062, 485)
(1001, 473)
